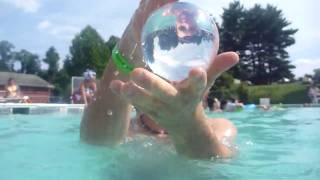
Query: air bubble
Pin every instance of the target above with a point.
(127, 139)
(147, 144)
(249, 143)
(116, 73)
(109, 112)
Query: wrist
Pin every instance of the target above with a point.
(130, 47)
(121, 63)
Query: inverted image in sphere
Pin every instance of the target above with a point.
(177, 37)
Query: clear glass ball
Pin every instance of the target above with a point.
(178, 37)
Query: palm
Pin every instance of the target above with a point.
(162, 100)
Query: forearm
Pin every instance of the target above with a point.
(106, 120)
(84, 97)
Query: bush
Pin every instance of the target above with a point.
(225, 89)
(281, 93)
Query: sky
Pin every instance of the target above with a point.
(35, 25)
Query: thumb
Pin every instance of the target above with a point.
(220, 64)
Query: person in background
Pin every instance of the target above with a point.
(264, 107)
(314, 94)
(233, 105)
(216, 106)
(205, 100)
(12, 90)
(87, 88)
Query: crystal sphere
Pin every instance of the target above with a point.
(178, 37)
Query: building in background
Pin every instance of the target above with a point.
(38, 90)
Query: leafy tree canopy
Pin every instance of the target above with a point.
(88, 51)
(29, 62)
(316, 76)
(261, 36)
(52, 59)
(6, 56)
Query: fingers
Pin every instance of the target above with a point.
(194, 86)
(151, 93)
(116, 86)
(220, 64)
(146, 7)
(128, 90)
(131, 92)
(152, 83)
(145, 89)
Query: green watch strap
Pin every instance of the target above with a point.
(121, 63)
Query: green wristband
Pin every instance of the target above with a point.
(121, 63)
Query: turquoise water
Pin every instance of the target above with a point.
(272, 145)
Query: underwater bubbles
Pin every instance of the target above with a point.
(109, 112)
(177, 37)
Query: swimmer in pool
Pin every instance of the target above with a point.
(176, 109)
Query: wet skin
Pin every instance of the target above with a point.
(177, 108)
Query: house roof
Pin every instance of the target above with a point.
(28, 80)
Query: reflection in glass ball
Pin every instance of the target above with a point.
(177, 37)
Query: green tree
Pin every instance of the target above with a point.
(52, 59)
(88, 51)
(316, 76)
(111, 43)
(223, 87)
(61, 82)
(6, 63)
(231, 33)
(29, 62)
(261, 36)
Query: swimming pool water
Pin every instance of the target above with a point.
(272, 145)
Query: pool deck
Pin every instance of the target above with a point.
(39, 108)
(299, 105)
(42, 108)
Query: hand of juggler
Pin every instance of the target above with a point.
(166, 103)
(178, 108)
(147, 91)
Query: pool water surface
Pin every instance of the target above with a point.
(282, 144)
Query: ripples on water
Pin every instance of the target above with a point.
(284, 144)
(272, 145)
